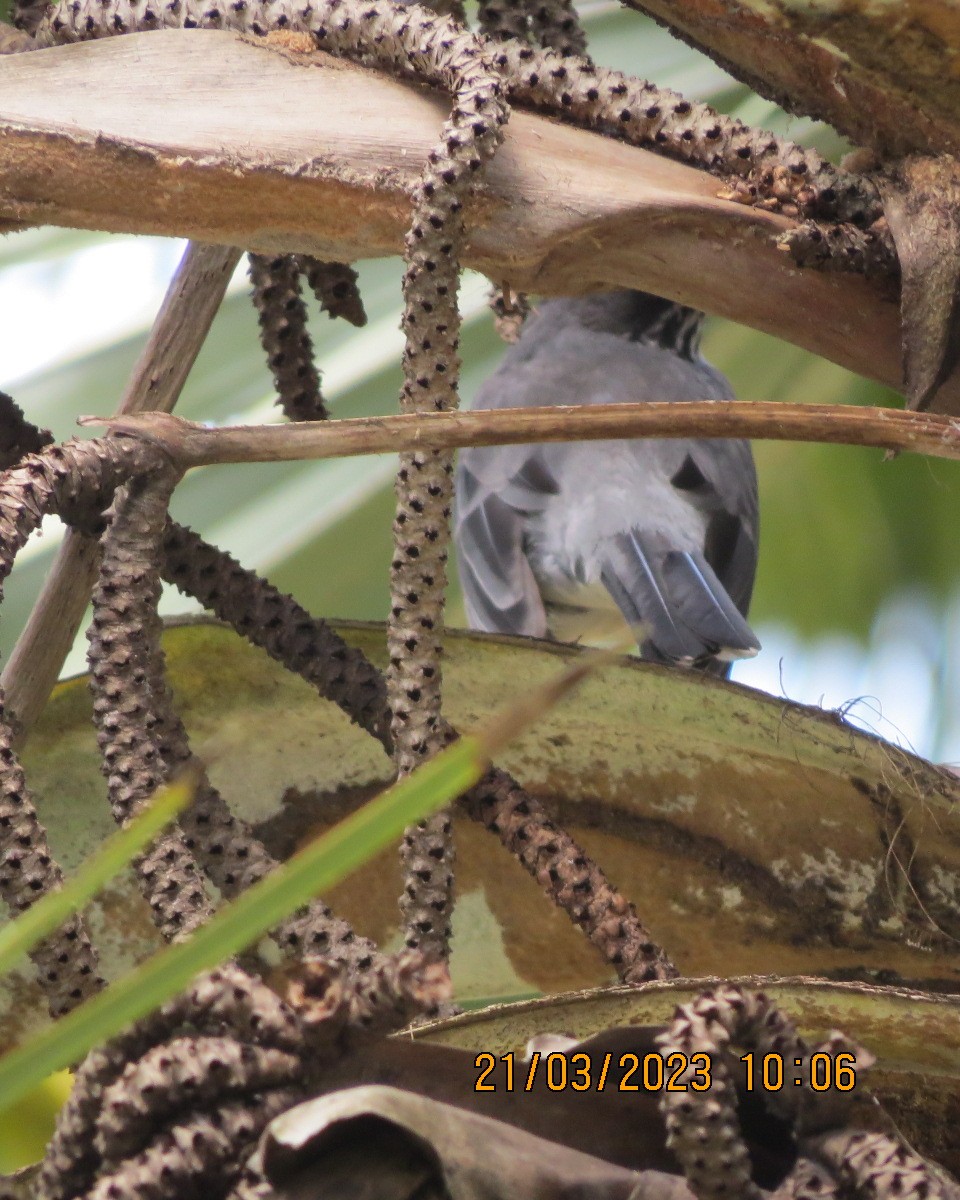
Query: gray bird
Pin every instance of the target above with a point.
(586, 539)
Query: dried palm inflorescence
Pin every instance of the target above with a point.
(210, 1069)
(178, 1101)
(283, 323)
(703, 1127)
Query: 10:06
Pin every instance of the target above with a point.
(820, 1072)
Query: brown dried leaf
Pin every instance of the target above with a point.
(333, 1146)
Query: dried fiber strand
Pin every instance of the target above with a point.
(311, 649)
(336, 288)
(188, 1072)
(199, 1158)
(18, 436)
(224, 1001)
(66, 962)
(125, 660)
(283, 334)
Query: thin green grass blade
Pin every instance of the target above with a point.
(314, 869)
(48, 914)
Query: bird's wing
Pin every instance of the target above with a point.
(719, 479)
(499, 590)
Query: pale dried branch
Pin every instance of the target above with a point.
(181, 326)
(890, 429)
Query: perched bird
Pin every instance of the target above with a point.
(577, 540)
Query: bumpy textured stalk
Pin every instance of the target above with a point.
(504, 19)
(877, 1167)
(234, 859)
(201, 1156)
(128, 702)
(18, 436)
(66, 962)
(284, 337)
(339, 1010)
(556, 26)
(310, 648)
(62, 479)
(278, 625)
(703, 1128)
(225, 999)
(75, 480)
(187, 1072)
(844, 247)
(172, 1106)
(569, 876)
(336, 288)
(431, 322)
(143, 741)
(639, 112)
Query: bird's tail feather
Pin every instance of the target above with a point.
(703, 605)
(677, 601)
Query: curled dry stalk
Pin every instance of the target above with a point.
(703, 1127)
(179, 1100)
